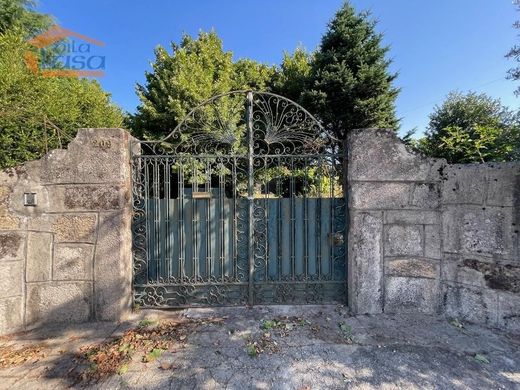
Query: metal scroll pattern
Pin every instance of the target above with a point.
(241, 204)
(219, 126)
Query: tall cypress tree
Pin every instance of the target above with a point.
(350, 85)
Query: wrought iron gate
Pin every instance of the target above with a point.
(241, 204)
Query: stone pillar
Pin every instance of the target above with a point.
(70, 254)
(394, 231)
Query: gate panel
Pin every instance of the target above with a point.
(241, 204)
(299, 221)
(190, 232)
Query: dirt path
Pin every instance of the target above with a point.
(305, 347)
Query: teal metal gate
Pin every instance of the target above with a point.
(241, 204)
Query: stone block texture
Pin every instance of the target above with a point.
(424, 236)
(67, 259)
(404, 188)
(73, 262)
(480, 262)
(448, 238)
(365, 262)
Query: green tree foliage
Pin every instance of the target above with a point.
(20, 14)
(472, 128)
(197, 69)
(40, 113)
(292, 77)
(249, 74)
(350, 85)
(346, 84)
(514, 54)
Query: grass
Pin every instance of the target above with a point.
(123, 369)
(251, 350)
(269, 324)
(346, 331)
(146, 323)
(154, 354)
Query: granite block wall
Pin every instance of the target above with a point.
(68, 257)
(429, 237)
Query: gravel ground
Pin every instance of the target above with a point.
(278, 347)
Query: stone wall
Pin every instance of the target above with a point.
(424, 236)
(69, 257)
(430, 237)
(481, 259)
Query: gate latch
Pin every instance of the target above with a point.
(336, 239)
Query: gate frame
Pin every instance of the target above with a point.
(331, 140)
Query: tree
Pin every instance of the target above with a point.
(21, 14)
(514, 53)
(197, 69)
(472, 128)
(292, 78)
(40, 113)
(249, 74)
(350, 85)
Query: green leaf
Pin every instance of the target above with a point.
(481, 358)
(251, 350)
(123, 369)
(456, 323)
(146, 323)
(268, 324)
(153, 355)
(346, 330)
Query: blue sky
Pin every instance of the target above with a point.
(437, 46)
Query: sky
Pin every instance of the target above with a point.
(436, 46)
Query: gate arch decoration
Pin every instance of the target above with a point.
(241, 203)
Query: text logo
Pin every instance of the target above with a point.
(65, 53)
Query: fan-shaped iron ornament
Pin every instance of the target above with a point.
(228, 123)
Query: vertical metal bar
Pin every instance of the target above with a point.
(305, 222)
(279, 220)
(157, 222)
(194, 224)
(147, 214)
(266, 222)
(182, 248)
(293, 222)
(234, 217)
(222, 222)
(210, 229)
(167, 254)
(208, 221)
(318, 218)
(331, 216)
(250, 190)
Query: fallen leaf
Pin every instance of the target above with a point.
(481, 358)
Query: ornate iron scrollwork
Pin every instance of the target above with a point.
(208, 197)
(220, 126)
